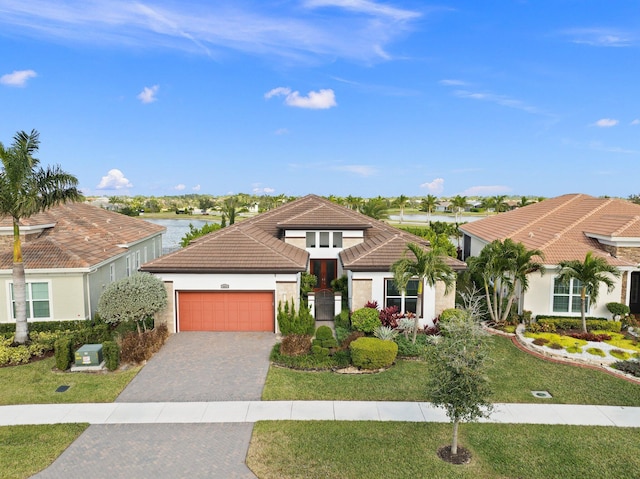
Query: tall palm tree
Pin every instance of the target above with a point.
(524, 201)
(428, 204)
(500, 204)
(591, 272)
(459, 203)
(353, 202)
(504, 268)
(375, 208)
(25, 190)
(401, 201)
(427, 265)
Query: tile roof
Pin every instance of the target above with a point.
(82, 236)
(562, 227)
(257, 245)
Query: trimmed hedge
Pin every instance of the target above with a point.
(601, 324)
(111, 353)
(365, 320)
(373, 353)
(63, 353)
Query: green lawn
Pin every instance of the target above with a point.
(36, 383)
(363, 450)
(513, 374)
(26, 450)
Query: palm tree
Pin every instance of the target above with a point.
(375, 208)
(459, 203)
(428, 204)
(353, 202)
(524, 201)
(591, 272)
(427, 265)
(504, 268)
(401, 201)
(499, 203)
(25, 190)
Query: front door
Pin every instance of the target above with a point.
(325, 271)
(634, 293)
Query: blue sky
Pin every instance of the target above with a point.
(343, 97)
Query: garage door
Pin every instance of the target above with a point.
(225, 311)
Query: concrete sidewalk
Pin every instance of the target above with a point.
(252, 411)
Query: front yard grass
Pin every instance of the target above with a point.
(513, 374)
(345, 450)
(26, 450)
(36, 383)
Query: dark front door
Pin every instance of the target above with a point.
(634, 293)
(325, 271)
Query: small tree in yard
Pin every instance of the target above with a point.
(457, 367)
(132, 299)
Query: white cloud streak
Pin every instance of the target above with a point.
(17, 78)
(361, 32)
(501, 100)
(436, 186)
(180, 187)
(114, 180)
(635, 122)
(315, 100)
(606, 123)
(486, 190)
(148, 94)
(600, 37)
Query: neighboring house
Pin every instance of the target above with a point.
(566, 228)
(71, 253)
(234, 278)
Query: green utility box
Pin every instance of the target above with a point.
(89, 355)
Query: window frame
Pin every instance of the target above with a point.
(30, 300)
(402, 297)
(572, 296)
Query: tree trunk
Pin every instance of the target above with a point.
(19, 288)
(416, 323)
(454, 441)
(583, 312)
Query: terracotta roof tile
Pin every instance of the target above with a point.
(82, 236)
(561, 227)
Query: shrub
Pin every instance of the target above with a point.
(618, 309)
(540, 341)
(318, 350)
(596, 352)
(324, 332)
(13, 355)
(574, 349)
(373, 353)
(452, 313)
(407, 349)
(63, 353)
(598, 338)
(371, 304)
(629, 367)
(365, 319)
(620, 354)
(136, 348)
(555, 346)
(353, 335)
(576, 323)
(310, 361)
(111, 353)
(341, 334)
(342, 320)
(385, 333)
(291, 321)
(295, 344)
(390, 316)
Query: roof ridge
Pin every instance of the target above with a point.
(548, 213)
(569, 227)
(632, 219)
(398, 235)
(267, 245)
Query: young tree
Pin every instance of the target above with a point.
(375, 208)
(195, 233)
(504, 268)
(459, 203)
(134, 298)
(457, 372)
(428, 205)
(25, 190)
(427, 265)
(591, 272)
(401, 202)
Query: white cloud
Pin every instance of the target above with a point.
(600, 37)
(486, 190)
(636, 122)
(148, 94)
(114, 180)
(361, 31)
(179, 187)
(436, 186)
(315, 100)
(452, 82)
(606, 123)
(360, 170)
(257, 190)
(500, 100)
(17, 78)
(196, 188)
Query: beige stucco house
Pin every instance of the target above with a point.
(71, 253)
(234, 278)
(566, 228)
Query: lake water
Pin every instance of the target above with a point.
(176, 229)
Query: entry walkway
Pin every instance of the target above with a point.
(219, 412)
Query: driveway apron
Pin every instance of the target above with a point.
(190, 367)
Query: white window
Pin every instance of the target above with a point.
(112, 273)
(324, 239)
(337, 239)
(311, 239)
(38, 304)
(128, 265)
(566, 296)
(137, 263)
(407, 302)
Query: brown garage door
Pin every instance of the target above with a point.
(225, 311)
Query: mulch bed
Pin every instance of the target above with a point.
(462, 457)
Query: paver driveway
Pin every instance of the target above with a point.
(190, 367)
(204, 367)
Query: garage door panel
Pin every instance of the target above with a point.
(226, 311)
